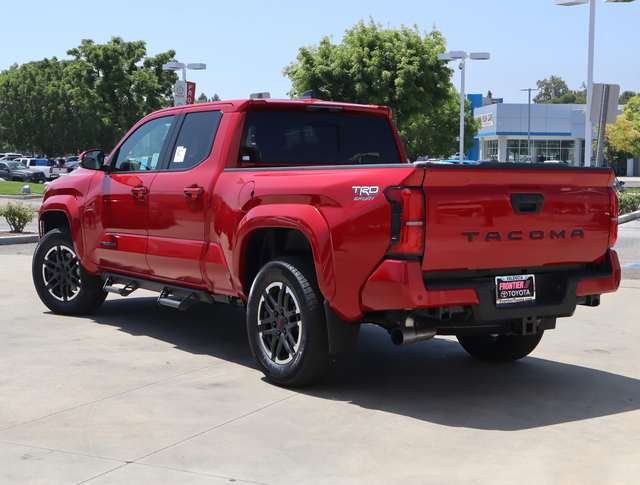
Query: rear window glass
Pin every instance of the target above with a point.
(280, 138)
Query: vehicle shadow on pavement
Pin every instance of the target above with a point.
(434, 381)
(217, 330)
(438, 382)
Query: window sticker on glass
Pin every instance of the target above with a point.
(144, 162)
(154, 161)
(180, 154)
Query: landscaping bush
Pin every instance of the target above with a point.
(628, 203)
(17, 215)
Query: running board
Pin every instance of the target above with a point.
(172, 301)
(173, 296)
(125, 290)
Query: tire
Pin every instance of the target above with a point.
(286, 324)
(63, 285)
(499, 348)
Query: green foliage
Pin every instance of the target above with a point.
(391, 67)
(17, 215)
(624, 134)
(203, 98)
(628, 203)
(555, 90)
(58, 107)
(37, 110)
(434, 135)
(108, 82)
(626, 96)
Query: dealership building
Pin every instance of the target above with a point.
(556, 132)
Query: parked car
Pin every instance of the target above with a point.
(18, 172)
(9, 156)
(43, 165)
(73, 166)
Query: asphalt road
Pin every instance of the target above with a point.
(137, 393)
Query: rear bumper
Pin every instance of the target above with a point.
(401, 285)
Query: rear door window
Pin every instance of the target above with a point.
(195, 140)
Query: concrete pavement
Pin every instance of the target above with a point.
(137, 393)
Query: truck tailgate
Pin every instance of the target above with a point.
(516, 216)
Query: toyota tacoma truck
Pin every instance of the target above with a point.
(308, 214)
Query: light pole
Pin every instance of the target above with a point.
(529, 123)
(462, 56)
(588, 126)
(181, 84)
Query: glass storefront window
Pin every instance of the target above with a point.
(490, 150)
(541, 150)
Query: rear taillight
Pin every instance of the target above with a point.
(407, 221)
(613, 225)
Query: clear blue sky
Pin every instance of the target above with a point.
(247, 43)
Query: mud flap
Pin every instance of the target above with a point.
(343, 336)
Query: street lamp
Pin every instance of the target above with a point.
(529, 123)
(177, 66)
(462, 56)
(588, 126)
(180, 86)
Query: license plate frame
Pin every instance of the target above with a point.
(512, 289)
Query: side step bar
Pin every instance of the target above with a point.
(170, 295)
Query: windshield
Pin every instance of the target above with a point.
(16, 166)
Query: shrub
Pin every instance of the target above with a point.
(628, 203)
(17, 215)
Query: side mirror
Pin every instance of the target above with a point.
(92, 159)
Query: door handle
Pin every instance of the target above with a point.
(193, 191)
(527, 203)
(140, 191)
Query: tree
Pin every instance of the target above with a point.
(434, 134)
(392, 67)
(624, 134)
(118, 85)
(37, 112)
(626, 96)
(555, 90)
(551, 88)
(57, 107)
(203, 98)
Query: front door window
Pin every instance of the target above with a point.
(141, 151)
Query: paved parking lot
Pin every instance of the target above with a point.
(138, 393)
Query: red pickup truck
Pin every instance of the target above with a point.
(307, 213)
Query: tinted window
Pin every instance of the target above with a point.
(195, 139)
(316, 139)
(141, 151)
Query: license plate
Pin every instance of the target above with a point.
(515, 289)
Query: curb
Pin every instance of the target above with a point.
(20, 197)
(4, 241)
(632, 216)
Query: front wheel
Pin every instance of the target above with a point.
(63, 285)
(286, 324)
(499, 348)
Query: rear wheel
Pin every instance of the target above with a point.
(499, 348)
(286, 324)
(63, 285)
